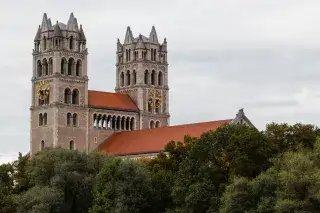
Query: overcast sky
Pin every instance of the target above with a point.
(260, 55)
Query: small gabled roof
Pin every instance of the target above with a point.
(110, 100)
(140, 44)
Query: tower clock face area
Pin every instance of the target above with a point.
(155, 98)
(43, 89)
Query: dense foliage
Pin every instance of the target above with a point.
(234, 169)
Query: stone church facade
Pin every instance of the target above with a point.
(65, 113)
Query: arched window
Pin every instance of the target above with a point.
(132, 124)
(146, 77)
(45, 66)
(134, 77)
(160, 79)
(50, 66)
(158, 105)
(71, 145)
(40, 119)
(151, 54)
(154, 55)
(69, 119)
(75, 96)
(71, 43)
(39, 69)
(129, 54)
(150, 101)
(135, 54)
(118, 122)
(78, 68)
(152, 124)
(113, 122)
(122, 79)
(63, 66)
(75, 119)
(44, 43)
(127, 123)
(128, 78)
(95, 117)
(157, 124)
(71, 66)
(67, 96)
(153, 77)
(42, 145)
(45, 119)
(123, 123)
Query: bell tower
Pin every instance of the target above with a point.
(142, 72)
(59, 86)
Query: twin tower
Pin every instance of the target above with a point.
(64, 113)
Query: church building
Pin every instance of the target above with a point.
(133, 121)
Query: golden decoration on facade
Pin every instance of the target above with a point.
(154, 98)
(43, 89)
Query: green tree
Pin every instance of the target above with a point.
(291, 185)
(63, 173)
(123, 186)
(6, 187)
(41, 200)
(19, 175)
(291, 137)
(229, 151)
(162, 176)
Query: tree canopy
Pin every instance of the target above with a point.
(233, 169)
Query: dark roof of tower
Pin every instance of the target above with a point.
(38, 35)
(82, 36)
(153, 37)
(144, 39)
(140, 43)
(57, 31)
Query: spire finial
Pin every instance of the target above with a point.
(153, 37)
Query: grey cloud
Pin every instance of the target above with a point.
(223, 55)
(272, 103)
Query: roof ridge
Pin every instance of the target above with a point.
(167, 127)
(107, 92)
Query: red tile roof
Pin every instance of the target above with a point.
(109, 100)
(154, 140)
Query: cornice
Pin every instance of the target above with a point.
(65, 78)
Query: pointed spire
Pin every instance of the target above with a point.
(129, 37)
(72, 24)
(44, 25)
(240, 113)
(140, 44)
(119, 46)
(76, 23)
(153, 35)
(49, 24)
(82, 36)
(57, 30)
(38, 35)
